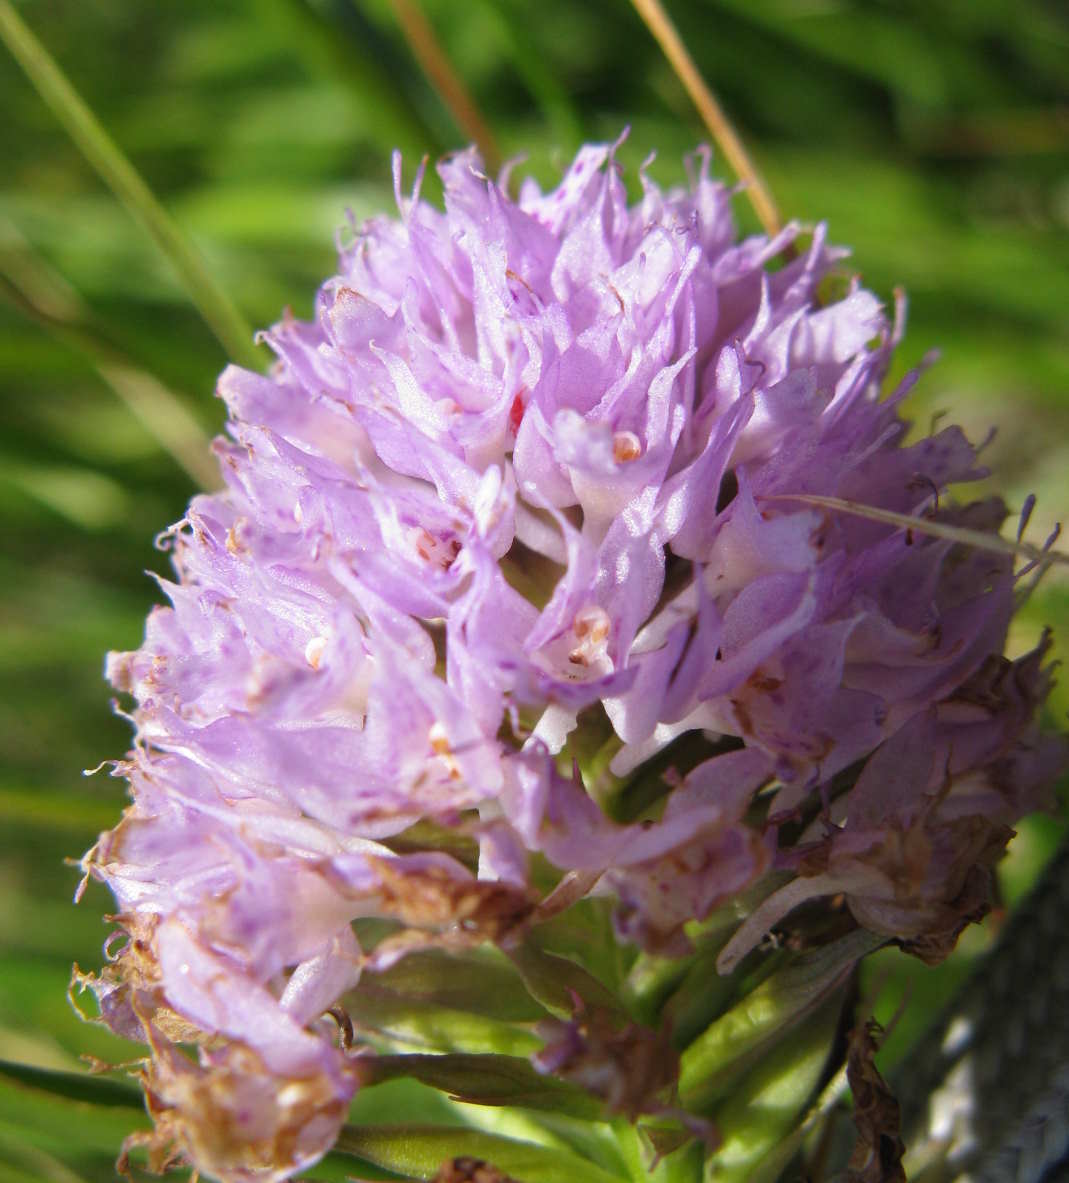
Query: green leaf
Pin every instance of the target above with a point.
(481, 981)
(382, 1104)
(421, 1150)
(737, 1038)
(764, 1107)
(554, 980)
(42, 294)
(30, 1164)
(678, 1155)
(330, 41)
(584, 935)
(489, 1080)
(74, 1086)
(702, 995)
(348, 1168)
(86, 498)
(698, 991)
(404, 1023)
(556, 105)
(73, 1130)
(62, 1138)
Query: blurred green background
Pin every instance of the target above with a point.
(933, 135)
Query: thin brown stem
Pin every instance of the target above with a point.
(428, 51)
(571, 888)
(713, 116)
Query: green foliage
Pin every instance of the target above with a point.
(717, 1057)
(420, 1150)
(929, 134)
(61, 1127)
(488, 1080)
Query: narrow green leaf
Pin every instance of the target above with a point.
(772, 1165)
(41, 293)
(22, 806)
(489, 1080)
(678, 1155)
(63, 1125)
(74, 1086)
(482, 982)
(554, 980)
(220, 314)
(40, 1166)
(86, 498)
(734, 1040)
(420, 1150)
(597, 1141)
(764, 1107)
(423, 1026)
(556, 105)
(348, 1168)
(697, 997)
(701, 996)
(583, 934)
(333, 40)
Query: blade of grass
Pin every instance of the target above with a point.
(74, 1086)
(962, 534)
(219, 312)
(667, 36)
(331, 44)
(29, 283)
(26, 807)
(555, 104)
(44, 1166)
(435, 63)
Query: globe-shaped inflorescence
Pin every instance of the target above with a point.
(518, 592)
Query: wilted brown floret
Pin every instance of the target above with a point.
(431, 898)
(233, 1117)
(629, 1066)
(470, 1170)
(877, 1155)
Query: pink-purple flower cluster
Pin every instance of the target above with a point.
(515, 545)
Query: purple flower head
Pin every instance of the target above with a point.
(515, 554)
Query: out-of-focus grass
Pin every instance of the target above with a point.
(932, 135)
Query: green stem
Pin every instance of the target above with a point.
(126, 183)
